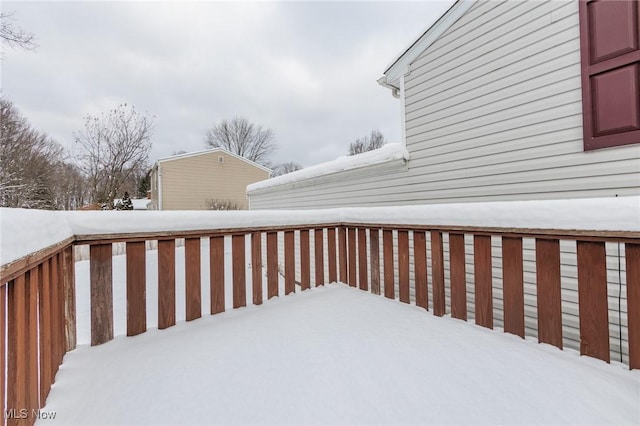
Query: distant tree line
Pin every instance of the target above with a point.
(37, 172)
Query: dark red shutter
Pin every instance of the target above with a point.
(610, 53)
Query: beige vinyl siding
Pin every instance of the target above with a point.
(187, 183)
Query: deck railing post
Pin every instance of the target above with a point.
(632, 259)
(101, 293)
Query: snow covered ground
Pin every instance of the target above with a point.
(330, 355)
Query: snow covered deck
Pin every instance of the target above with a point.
(337, 355)
(271, 337)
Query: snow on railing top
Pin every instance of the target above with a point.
(389, 152)
(27, 231)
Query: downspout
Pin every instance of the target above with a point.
(395, 91)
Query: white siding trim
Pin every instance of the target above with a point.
(400, 66)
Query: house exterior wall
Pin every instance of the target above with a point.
(493, 112)
(189, 183)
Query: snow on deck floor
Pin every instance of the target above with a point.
(337, 355)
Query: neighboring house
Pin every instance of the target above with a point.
(492, 99)
(500, 101)
(194, 181)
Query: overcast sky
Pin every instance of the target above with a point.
(305, 70)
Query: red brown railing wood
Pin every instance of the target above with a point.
(342, 251)
(548, 291)
(136, 288)
(101, 293)
(420, 261)
(513, 285)
(216, 275)
(331, 250)
(289, 263)
(374, 243)
(362, 259)
(403, 266)
(351, 261)
(3, 325)
(318, 251)
(457, 266)
(166, 283)
(387, 248)
(256, 267)
(239, 274)
(305, 268)
(437, 268)
(272, 264)
(192, 279)
(632, 257)
(483, 280)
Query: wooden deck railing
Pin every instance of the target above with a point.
(38, 292)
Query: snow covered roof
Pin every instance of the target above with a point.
(210, 151)
(389, 152)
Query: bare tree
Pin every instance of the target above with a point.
(243, 138)
(284, 168)
(114, 151)
(13, 36)
(28, 162)
(222, 204)
(367, 143)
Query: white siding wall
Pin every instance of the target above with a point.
(493, 112)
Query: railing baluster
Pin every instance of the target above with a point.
(3, 360)
(318, 251)
(632, 259)
(289, 263)
(33, 392)
(17, 369)
(362, 259)
(45, 330)
(548, 291)
(53, 320)
(352, 258)
(482, 280)
(69, 298)
(331, 249)
(256, 267)
(420, 270)
(387, 248)
(403, 265)
(239, 271)
(512, 286)
(192, 279)
(166, 283)
(592, 300)
(437, 271)
(136, 288)
(342, 249)
(457, 266)
(374, 247)
(216, 274)
(101, 295)
(305, 269)
(272, 264)
(62, 340)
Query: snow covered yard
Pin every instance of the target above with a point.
(337, 355)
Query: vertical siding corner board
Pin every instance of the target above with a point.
(101, 293)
